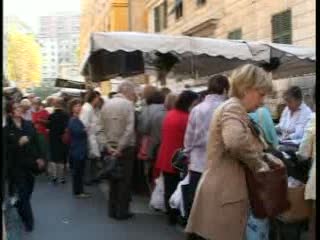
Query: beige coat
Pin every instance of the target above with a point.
(307, 150)
(117, 121)
(221, 203)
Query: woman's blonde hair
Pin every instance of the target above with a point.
(247, 77)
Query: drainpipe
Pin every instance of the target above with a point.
(130, 14)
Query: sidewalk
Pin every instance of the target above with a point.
(59, 216)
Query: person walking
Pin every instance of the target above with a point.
(24, 161)
(78, 148)
(196, 137)
(221, 203)
(57, 124)
(118, 122)
(173, 130)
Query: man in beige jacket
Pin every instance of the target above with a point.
(117, 118)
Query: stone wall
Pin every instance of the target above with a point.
(252, 16)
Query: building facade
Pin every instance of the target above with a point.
(59, 40)
(279, 21)
(110, 15)
(283, 21)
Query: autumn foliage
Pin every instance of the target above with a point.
(24, 59)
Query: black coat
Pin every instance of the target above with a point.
(21, 160)
(57, 124)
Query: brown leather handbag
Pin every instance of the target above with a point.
(268, 191)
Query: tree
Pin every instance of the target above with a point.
(24, 59)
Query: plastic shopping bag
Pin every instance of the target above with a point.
(157, 196)
(257, 229)
(176, 200)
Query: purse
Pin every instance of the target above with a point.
(112, 170)
(66, 137)
(144, 147)
(179, 161)
(267, 190)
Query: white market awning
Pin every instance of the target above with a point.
(128, 53)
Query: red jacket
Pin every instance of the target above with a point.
(172, 135)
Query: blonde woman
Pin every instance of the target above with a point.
(221, 204)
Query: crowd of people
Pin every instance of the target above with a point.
(220, 133)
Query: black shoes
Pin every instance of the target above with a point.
(124, 217)
(119, 217)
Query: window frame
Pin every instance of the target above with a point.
(178, 11)
(232, 34)
(201, 3)
(282, 33)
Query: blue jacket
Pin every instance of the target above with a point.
(262, 116)
(79, 142)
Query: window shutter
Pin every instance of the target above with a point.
(236, 34)
(156, 20)
(282, 28)
(165, 14)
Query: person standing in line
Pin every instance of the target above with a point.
(263, 118)
(49, 104)
(24, 161)
(307, 152)
(40, 119)
(26, 109)
(173, 130)
(89, 118)
(118, 121)
(196, 137)
(150, 124)
(57, 124)
(78, 148)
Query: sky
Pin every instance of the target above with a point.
(29, 11)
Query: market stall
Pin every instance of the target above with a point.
(128, 53)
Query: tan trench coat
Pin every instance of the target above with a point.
(221, 202)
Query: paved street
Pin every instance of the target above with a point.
(59, 216)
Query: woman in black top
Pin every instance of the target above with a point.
(24, 162)
(57, 124)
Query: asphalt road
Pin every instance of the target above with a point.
(59, 216)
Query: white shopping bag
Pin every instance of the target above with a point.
(157, 196)
(176, 200)
(94, 151)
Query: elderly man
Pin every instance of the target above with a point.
(117, 118)
(26, 109)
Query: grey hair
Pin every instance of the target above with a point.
(126, 86)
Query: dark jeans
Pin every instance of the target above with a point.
(171, 182)
(78, 166)
(120, 190)
(25, 188)
(192, 187)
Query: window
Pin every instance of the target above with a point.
(236, 34)
(160, 17)
(201, 2)
(282, 27)
(179, 9)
